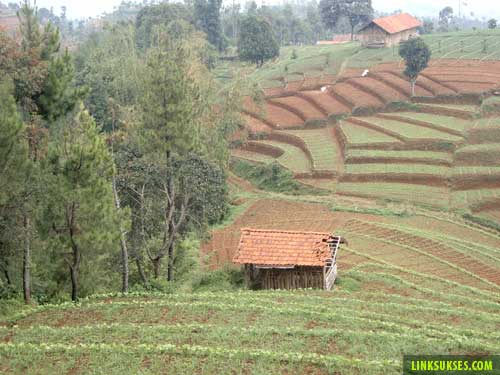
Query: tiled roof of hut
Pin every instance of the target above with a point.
(282, 248)
(397, 23)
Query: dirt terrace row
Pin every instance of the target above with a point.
(300, 104)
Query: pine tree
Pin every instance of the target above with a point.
(170, 107)
(80, 213)
(13, 168)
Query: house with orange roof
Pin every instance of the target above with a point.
(389, 31)
(280, 259)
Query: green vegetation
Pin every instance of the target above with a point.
(434, 196)
(322, 146)
(271, 177)
(359, 135)
(411, 169)
(410, 131)
(293, 158)
(415, 156)
(256, 42)
(416, 54)
(449, 122)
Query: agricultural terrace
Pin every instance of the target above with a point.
(357, 137)
(413, 283)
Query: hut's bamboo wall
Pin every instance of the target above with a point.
(295, 278)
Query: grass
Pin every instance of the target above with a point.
(252, 156)
(466, 198)
(449, 122)
(476, 170)
(271, 177)
(323, 148)
(410, 131)
(359, 135)
(293, 157)
(417, 156)
(459, 107)
(435, 196)
(257, 332)
(397, 168)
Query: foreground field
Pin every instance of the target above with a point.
(375, 315)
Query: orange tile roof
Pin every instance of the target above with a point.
(397, 23)
(282, 248)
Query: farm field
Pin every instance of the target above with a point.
(435, 196)
(422, 157)
(324, 150)
(407, 130)
(293, 157)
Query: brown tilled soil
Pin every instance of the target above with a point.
(301, 105)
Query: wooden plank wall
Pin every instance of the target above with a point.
(296, 278)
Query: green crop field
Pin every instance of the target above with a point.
(464, 198)
(397, 168)
(448, 122)
(456, 45)
(322, 146)
(481, 148)
(435, 196)
(416, 156)
(410, 131)
(252, 156)
(293, 157)
(460, 107)
(359, 135)
(257, 332)
(476, 170)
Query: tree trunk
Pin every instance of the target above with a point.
(123, 242)
(156, 267)
(26, 261)
(170, 265)
(74, 283)
(413, 81)
(5, 268)
(142, 275)
(352, 33)
(170, 271)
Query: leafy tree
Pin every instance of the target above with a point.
(80, 217)
(445, 17)
(416, 54)
(256, 42)
(207, 16)
(355, 11)
(158, 15)
(427, 27)
(492, 23)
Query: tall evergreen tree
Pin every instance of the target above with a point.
(80, 213)
(207, 14)
(170, 107)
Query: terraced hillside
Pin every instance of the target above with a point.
(439, 151)
(406, 285)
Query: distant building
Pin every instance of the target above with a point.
(389, 31)
(280, 259)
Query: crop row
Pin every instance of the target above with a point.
(195, 350)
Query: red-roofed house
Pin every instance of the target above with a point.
(277, 259)
(9, 24)
(389, 31)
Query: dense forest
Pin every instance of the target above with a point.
(113, 156)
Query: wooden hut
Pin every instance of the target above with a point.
(389, 31)
(277, 259)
